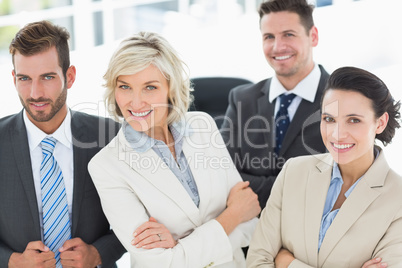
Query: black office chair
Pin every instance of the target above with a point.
(211, 95)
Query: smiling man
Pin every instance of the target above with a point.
(278, 118)
(51, 214)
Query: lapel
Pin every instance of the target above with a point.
(153, 169)
(366, 191)
(304, 111)
(316, 193)
(306, 114)
(80, 134)
(202, 179)
(266, 110)
(21, 152)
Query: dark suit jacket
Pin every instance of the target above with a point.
(19, 216)
(249, 133)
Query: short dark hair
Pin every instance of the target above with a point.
(372, 87)
(300, 7)
(37, 37)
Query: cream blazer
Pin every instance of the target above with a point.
(368, 225)
(134, 186)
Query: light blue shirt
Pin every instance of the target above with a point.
(141, 142)
(333, 192)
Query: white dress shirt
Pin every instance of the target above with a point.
(63, 153)
(305, 89)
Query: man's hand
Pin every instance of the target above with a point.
(243, 201)
(36, 255)
(75, 253)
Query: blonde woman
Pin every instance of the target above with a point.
(166, 182)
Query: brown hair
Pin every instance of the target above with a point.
(300, 7)
(37, 37)
(373, 88)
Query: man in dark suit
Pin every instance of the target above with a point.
(254, 114)
(42, 75)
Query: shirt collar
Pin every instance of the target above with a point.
(336, 174)
(141, 142)
(62, 134)
(306, 89)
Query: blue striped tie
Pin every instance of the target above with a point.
(56, 222)
(282, 120)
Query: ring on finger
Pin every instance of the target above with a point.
(159, 235)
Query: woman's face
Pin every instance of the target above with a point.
(349, 127)
(143, 99)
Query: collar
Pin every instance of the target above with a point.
(141, 142)
(306, 88)
(62, 134)
(336, 174)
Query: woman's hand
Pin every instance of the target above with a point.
(242, 201)
(374, 263)
(283, 258)
(153, 235)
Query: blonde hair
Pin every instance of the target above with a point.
(135, 54)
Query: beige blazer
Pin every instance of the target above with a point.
(368, 225)
(134, 186)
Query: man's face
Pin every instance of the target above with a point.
(41, 86)
(286, 45)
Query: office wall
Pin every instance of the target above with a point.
(362, 33)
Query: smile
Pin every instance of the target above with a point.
(283, 57)
(141, 114)
(39, 105)
(343, 146)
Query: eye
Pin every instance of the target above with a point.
(268, 36)
(289, 35)
(328, 119)
(124, 87)
(48, 77)
(150, 87)
(23, 78)
(354, 120)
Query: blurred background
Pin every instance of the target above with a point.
(214, 38)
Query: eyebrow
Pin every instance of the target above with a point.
(356, 115)
(45, 74)
(152, 81)
(18, 75)
(289, 31)
(348, 115)
(148, 82)
(283, 32)
(121, 81)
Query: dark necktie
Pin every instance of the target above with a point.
(282, 120)
(56, 221)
